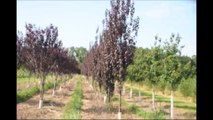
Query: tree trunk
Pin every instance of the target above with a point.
(123, 89)
(131, 92)
(105, 97)
(139, 94)
(108, 95)
(53, 94)
(41, 93)
(60, 88)
(172, 105)
(54, 85)
(153, 96)
(119, 109)
(93, 83)
(115, 86)
(119, 115)
(99, 93)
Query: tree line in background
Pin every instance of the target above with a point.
(163, 67)
(79, 53)
(138, 71)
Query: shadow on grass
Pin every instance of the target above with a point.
(178, 104)
(186, 107)
(95, 109)
(167, 100)
(166, 107)
(53, 103)
(23, 76)
(189, 114)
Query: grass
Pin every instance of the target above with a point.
(177, 94)
(135, 91)
(146, 115)
(27, 79)
(26, 94)
(158, 98)
(160, 114)
(73, 108)
(139, 111)
(185, 106)
(177, 104)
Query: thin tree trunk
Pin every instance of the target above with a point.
(123, 89)
(99, 84)
(131, 92)
(29, 84)
(119, 109)
(153, 96)
(93, 83)
(105, 97)
(172, 105)
(53, 94)
(60, 77)
(41, 92)
(115, 86)
(108, 95)
(139, 94)
(54, 88)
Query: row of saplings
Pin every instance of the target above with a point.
(41, 53)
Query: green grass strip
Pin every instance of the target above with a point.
(26, 94)
(73, 108)
(158, 98)
(146, 115)
(139, 111)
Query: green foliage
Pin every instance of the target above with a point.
(137, 71)
(78, 52)
(73, 108)
(173, 69)
(26, 79)
(133, 108)
(26, 94)
(177, 103)
(160, 114)
(22, 73)
(162, 85)
(188, 87)
(114, 98)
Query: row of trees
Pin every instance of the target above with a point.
(162, 66)
(40, 52)
(113, 50)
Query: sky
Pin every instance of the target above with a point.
(77, 21)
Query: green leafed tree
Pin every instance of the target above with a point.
(155, 66)
(137, 71)
(173, 68)
(78, 52)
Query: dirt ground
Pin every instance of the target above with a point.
(94, 107)
(52, 106)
